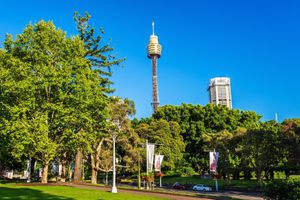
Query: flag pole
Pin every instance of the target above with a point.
(217, 189)
(160, 176)
(147, 158)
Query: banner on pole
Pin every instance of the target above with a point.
(213, 161)
(157, 163)
(150, 156)
(60, 169)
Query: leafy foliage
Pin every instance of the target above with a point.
(283, 190)
(167, 137)
(262, 149)
(291, 131)
(205, 128)
(53, 92)
(36, 88)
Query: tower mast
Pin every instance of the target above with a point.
(154, 53)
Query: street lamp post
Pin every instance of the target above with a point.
(139, 165)
(139, 172)
(28, 170)
(114, 188)
(114, 135)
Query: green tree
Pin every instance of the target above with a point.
(291, 132)
(39, 77)
(282, 190)
(230, 161)
(167, 136)
(54, 93)
(263, 149)
(119, 111)
(101, 59)
(205, 128)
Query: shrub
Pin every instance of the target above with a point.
(172, 174)
(283, 190)
(186, 172)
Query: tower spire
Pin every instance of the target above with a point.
(153, 27)
(153, 53)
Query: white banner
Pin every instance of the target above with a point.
(150, 157)
(59, 169)
(213, 161)
(157, 163)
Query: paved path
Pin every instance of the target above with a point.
(233, 194)
(238, 195)
(145, 193)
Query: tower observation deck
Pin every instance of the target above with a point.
(154, 53)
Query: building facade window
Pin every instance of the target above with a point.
(220, 92)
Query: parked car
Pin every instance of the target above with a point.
(178, 186)
(201, 187)
(188, 186)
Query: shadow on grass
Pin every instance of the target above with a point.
(9, 181)
(25, 193)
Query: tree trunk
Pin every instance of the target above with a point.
(247, 174)
(78, 167)
(106, 176)
(238, 175)
(32, 168)
(272, 174)
(45, 174)
(267, 175)
(235, 175)
(94, 171)
(228, 179)
(69, 173)
(224, 175)
(94, 176)
(258, 175)
(287, 174)
(63, 171)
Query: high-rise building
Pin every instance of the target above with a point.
(220, 92)
(154, 52)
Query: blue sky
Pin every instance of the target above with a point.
(256, 43)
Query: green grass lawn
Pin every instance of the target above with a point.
(295, 176)
(244, 184)
(15, 191)
(223, 184)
